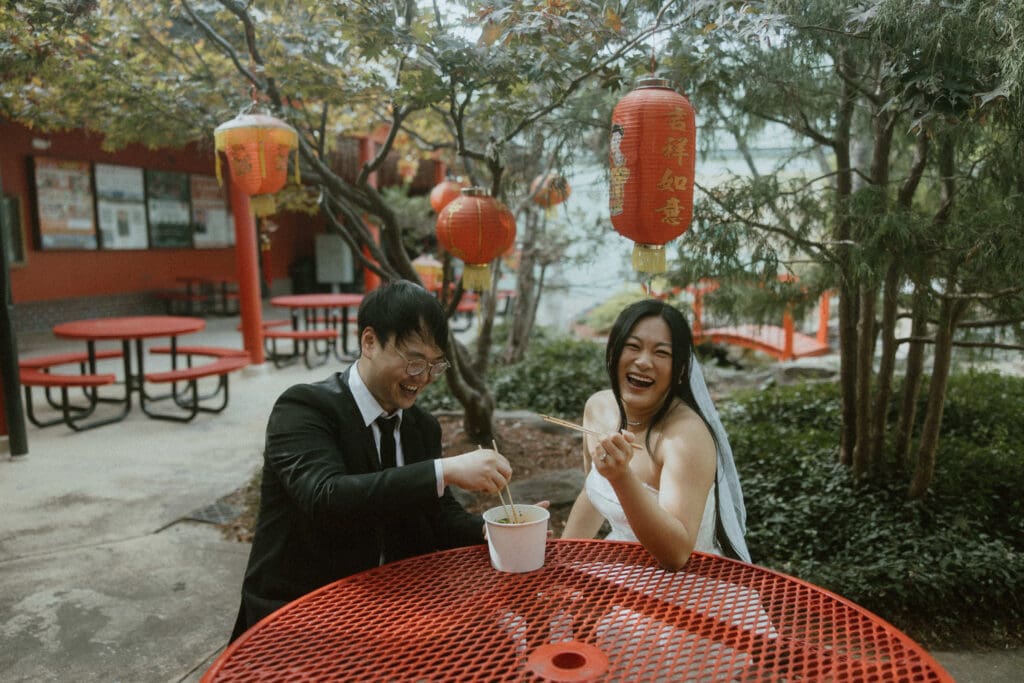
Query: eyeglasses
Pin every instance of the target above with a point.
(418, 367)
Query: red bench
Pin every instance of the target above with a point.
(183, 302)
(35, 372)
(190, 401)
(80, 357)
(213, 351)
(303, 343)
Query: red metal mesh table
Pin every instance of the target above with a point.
(596, 611)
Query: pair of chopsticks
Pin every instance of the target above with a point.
(510, 507)
(572, 425)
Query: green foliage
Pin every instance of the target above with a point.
(937, 568)
(601, 317)
(556, 378)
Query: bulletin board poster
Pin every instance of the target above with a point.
(64, 202)
(121, 206)
(167, 201)
(212, 224)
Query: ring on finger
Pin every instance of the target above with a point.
(602, 455)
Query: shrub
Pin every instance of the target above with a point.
(942, 567)
(557, 376)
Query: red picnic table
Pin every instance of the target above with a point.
(129, 332)
(311, 315)
(596, 611)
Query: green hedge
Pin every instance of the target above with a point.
(556, 378)
(949, 569)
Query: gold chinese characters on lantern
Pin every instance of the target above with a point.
(476, 228)
(652, 162)
(257, 147)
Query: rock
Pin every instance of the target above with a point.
(791, 373)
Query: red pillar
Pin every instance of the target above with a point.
(823, 315)
(787, 330)
(249, 305)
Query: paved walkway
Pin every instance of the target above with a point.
(106, 574)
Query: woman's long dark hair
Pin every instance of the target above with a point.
(682, 355)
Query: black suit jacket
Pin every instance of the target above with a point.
(328, 510)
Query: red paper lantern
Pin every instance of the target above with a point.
(443, 193)
(652, 160)
(257, 147)
(550, 190)
(474, 228)
(505, 214)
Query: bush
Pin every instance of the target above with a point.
(556, 378)
(948, 569)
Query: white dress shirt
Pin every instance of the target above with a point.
(370, 410)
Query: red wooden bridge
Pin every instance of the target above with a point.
(782, 343)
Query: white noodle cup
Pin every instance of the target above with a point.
(519, 547)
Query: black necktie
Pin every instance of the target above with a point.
(388, 457)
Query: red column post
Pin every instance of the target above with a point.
(246, 243)
(787, 330)
(823, 316)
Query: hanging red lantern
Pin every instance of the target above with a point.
(652, 160)
(509, 228)
(257, 147)
(549, 190)
(473, 228)
(444, 192)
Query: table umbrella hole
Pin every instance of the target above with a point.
(568, 662)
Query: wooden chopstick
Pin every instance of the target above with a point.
(579, 428)
(510, 507)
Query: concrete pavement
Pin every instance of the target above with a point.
(105, 574)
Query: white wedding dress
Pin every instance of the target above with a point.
(602, 497)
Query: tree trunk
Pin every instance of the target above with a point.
(924, 467)
(847, 290)
(526, 290)
(472, 393)
(887, 364)
(865, 366)
(911, 381)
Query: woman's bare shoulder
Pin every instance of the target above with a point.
(685, 424)
(601, 407)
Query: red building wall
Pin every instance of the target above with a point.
(53, 274)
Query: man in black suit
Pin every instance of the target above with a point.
(328, 506)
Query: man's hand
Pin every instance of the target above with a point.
(479, 470)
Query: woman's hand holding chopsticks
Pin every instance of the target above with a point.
(480, 470)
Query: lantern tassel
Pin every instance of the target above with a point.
(264, 205)
(649, 258)
(216, 169)
(476, 277)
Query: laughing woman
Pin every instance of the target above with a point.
(664, 474)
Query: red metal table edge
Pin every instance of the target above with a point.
(943, 676)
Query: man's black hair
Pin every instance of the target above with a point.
(401, 309)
